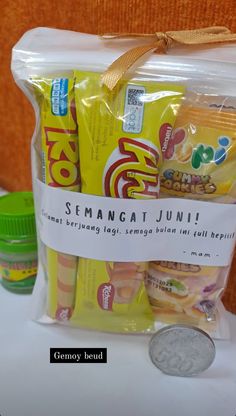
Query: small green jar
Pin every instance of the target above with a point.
(18, 243)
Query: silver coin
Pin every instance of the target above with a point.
(181, 350)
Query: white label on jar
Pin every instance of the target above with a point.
(112, 229)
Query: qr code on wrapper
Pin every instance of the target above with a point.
(134, 97)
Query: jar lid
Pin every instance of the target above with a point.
(17, 219)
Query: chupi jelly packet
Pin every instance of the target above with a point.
(135, 187)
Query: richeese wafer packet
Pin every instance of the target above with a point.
(60, 168)
(120, 156)
(200, 163)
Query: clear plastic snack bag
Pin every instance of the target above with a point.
(123, 181)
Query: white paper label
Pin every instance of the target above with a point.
(102, 228)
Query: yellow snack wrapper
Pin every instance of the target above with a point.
(122, 134)
(200, 156)
(191, 291)
(184, 269)
(60, 168)
(200, 162)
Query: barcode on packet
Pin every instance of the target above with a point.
(134, 106)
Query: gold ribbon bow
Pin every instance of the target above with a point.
(161, 43)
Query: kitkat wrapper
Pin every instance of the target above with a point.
(200, 163)
(60, 168)
(121, 137)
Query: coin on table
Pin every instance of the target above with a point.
(181, 350)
